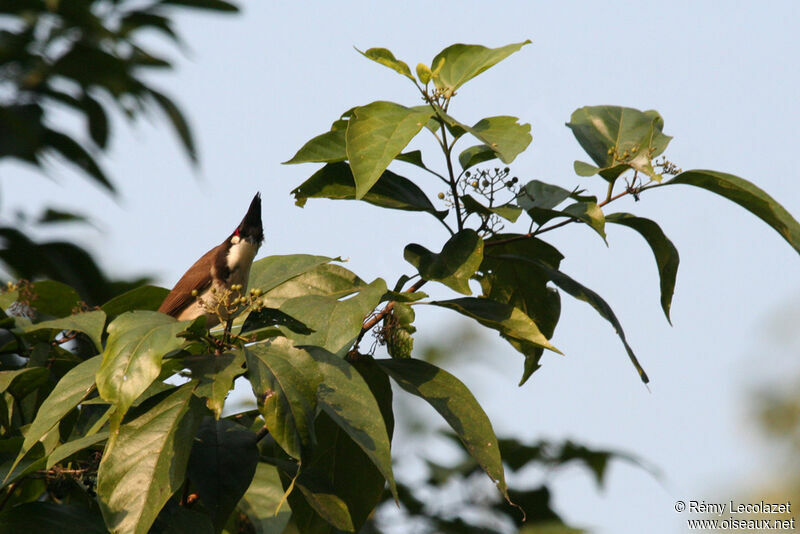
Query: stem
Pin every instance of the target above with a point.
(453, 189)
(610, 190)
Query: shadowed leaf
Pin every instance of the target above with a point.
(454, 265)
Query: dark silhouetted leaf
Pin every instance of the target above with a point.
(221, 466)
(390, 191)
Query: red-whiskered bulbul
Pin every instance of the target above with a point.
(198, 291)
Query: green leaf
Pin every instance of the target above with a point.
(261, 500)
(589, 213)
(618, 139)
(53, 298)
(66, 395)
(267, 317)
(335, 323)
(328, 147)
(347, 399)
(459, 259)
(20, 382)
(142, 298)
(667, 258)
(144, 463)
(392, 191)
(44, 517)
(96, 119)
(414, 157)
(747, 195)
(221, 466)
(90, 323)
(459, 63)
(456, 404)
(508, 320)
(585, 294)
(424, 73)
(314, 502)
(272, 271)
(325, 280)
(215, 375)
(59, 216)
(386, 58)
(504, 135)
(132, 360)
(285, 382)
(507, 211)
(474, 155)
(376, 134)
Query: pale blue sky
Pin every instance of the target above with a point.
(722, 74)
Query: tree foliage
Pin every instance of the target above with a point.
(94, 419)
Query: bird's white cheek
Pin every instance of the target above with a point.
(241, 254)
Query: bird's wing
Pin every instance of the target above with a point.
(198, 278)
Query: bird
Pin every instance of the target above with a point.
(222, 271)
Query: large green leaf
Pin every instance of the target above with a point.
(511, 322)
(261, 500)
(221, 466)
(215, 374)
(90, 323)
(347, 399)
(328, 147)
(326, 280)
(462, 62)
(285, 382)
(335, 181)
(335, 323)
(454, 265)
(667, 258)
(386, 58)
(456, 404)
(48, 517)
(145, 461)
(591, 214)
(618, 139)
(140, 298)
(68, 393)
(316, 508)
(376, 134)
(137, 341)
(585, 294)
(747, 195)
(272, 271)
